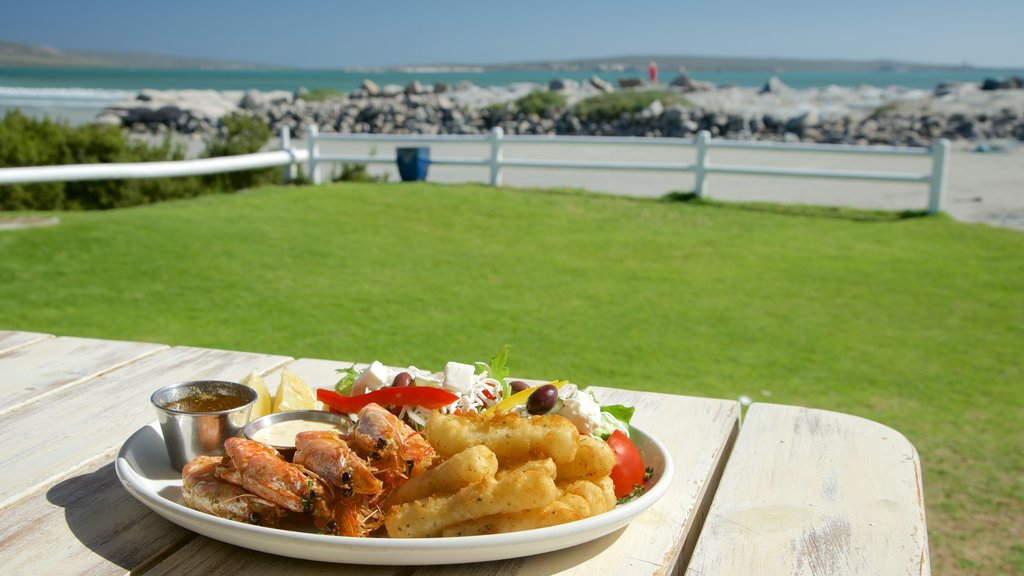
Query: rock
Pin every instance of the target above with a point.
(252, 100)
(774, 86)
(653, 110)
(630, 82)
(944, 88)
(563, 85)
(440, 87)
(414, 87)
(601, 85)
(700, 86)
(682, 80)
(370, 87)
(797, 124)
(391, 90)
(675, 115)
(108, 118)
(300, 92)
(1011, 83)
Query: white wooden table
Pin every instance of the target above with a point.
(794, 491)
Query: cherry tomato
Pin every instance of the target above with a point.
(629, 465)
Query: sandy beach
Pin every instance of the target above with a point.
(985, 188)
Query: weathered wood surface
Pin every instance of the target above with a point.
(810, 492)
(31, 373)
(55, 437)
(698, 432)
(10, 339)
(804, 492)
(85, 524)
(64, 510)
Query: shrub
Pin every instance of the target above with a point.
(608, 107)
(357, 172)
(540, 101)
(239, 134)
(27, 141)
(323, 94)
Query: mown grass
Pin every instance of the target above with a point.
(915, 322)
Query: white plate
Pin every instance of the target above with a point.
(144, 469)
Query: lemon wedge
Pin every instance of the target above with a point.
(262, 406)
(293, 394)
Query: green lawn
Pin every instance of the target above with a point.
(917, 322)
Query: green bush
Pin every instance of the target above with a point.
(608, 107)
(540, 101)
(357, 172)
(27, 141)
(323, 94)
(239, 134)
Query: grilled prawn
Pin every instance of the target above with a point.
(263, 471)
(392, 447)
(325, 453)
(203, 491)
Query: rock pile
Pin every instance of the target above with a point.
(775, 112)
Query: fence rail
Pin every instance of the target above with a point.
(702, 168)
(144, 170)
(496, 141)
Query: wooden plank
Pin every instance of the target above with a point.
(53, 437)
(698, 432)
(34, 372)
(10, 340)
(815, 492)
(85, 524)
(78, 518)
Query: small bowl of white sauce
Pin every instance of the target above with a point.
(279, 430)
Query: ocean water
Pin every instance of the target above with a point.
(78, 94)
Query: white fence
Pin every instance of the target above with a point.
(702, 168)
(495, 161)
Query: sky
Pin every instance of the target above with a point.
(341, 33)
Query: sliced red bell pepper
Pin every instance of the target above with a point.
(425, 396)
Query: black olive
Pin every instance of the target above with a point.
(518, 386)
(402, 379)
(542, 400)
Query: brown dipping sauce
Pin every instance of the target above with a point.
(206, 403)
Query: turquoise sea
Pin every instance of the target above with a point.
(78, 94)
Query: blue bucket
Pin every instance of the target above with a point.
(412, 163)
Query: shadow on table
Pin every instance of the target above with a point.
(110, 522)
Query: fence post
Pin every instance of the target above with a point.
(701, 186)
(314, 151)
(496, 156)
(940, 169)
(286, 145)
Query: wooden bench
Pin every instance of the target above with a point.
(815, 492)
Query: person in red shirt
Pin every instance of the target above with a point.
(652, 72)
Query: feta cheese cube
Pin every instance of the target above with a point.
(459, 377)
(376, 376)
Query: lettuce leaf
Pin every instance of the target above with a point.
(348, 379)
(614, 417)
(497, 368)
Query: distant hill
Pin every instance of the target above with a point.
(16, 55)
(719, 64)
